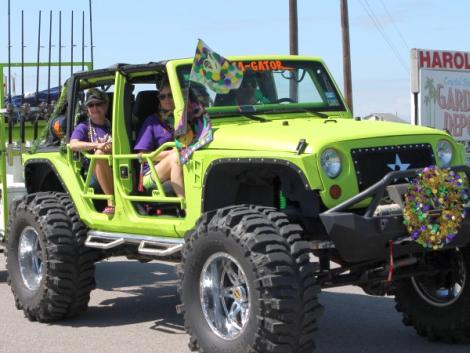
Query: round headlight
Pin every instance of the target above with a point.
(331, 162)
(444, 153)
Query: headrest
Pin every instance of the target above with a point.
(110, 96)
(146, 103)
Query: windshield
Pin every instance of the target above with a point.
(271, 86)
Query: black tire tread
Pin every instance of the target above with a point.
(289, 308)
(69, 276)
(448, 324)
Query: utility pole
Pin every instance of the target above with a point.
(293, 44)
(346, 54)
(293, 28)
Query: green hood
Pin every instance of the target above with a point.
(284, 135)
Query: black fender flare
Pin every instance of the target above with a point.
(217, 191)
(41, 175)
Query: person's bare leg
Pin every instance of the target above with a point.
(176, 175)
(163, 169)
(104, 175)
(169, 168)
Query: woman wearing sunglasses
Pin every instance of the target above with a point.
(94, 136)
(157, 129)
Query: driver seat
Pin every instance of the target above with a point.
(146, 103)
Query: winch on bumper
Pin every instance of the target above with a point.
(367, 237)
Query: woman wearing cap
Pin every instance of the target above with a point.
(94, 136)
(155, 131)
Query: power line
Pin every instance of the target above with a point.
(382, 32)
(394, 25)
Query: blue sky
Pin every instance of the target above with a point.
(150, 30)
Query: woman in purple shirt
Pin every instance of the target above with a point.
(94, 136)
(155, 131)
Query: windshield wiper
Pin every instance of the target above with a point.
(254, 117)
(243, 110)
(296, 110)
(248, 110)
(246, 115)
(313, 111)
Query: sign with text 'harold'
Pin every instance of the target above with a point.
(440, 85)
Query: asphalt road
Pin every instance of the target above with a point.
(133, 310)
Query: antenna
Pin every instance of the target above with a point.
(60, 49)
(71, 47)
(49, 60)
(91, 36)
(22, 56)
(83, 40)
(37, 64)
(24, 106)
(9, 56)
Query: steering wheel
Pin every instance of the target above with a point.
(285, 100)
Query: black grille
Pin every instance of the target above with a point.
(372, 163)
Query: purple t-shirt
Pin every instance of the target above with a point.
(153, 134)
(81, 131)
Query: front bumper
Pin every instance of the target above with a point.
(366, 237)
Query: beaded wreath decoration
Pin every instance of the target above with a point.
(434, 207)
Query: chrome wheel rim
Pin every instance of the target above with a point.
(443, 291)
(224, 294)
(30, 258)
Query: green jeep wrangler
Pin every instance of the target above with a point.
(290, 184)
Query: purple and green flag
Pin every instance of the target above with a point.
(220, 75)
(214, 71)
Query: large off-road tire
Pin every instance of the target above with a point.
(247, 284)
(50, 271)
(438, 306)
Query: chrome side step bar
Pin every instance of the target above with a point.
(148, 245)
(148, 248)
